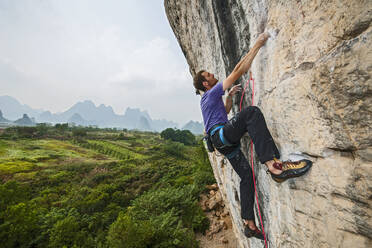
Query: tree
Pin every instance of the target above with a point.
(42, 129)
(168, 133)
(183, 136)
(19, 225)
(61, 127)
(66, 232)
(79, 132)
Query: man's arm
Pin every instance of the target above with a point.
(228, 103)
(244, 64)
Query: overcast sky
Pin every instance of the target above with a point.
(122, 53)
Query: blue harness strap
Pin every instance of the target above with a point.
(215, 129)
(222, 137)
(225, 142)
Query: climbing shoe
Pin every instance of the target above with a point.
(290, 169)
(249, 233)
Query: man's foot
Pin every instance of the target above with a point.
(274, 166)
(249, 232)
(290, 169)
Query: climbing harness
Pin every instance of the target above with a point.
(225, 142)
(254, 180)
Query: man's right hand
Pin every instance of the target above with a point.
(245, 63)
(262, 38)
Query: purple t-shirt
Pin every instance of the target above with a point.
(212, 107)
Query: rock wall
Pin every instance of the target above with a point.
(313, 84)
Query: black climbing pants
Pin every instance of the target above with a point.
(249, 120)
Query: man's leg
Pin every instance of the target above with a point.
(251, 120)
(242, 168)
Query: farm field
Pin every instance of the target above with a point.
(74, 187)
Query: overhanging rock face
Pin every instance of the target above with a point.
(313, 83)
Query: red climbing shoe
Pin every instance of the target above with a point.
(249, 233)
(291, 169)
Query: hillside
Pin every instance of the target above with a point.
(2, 119)
(74, 187)
(86, 113)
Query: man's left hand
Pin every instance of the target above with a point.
(235, 89)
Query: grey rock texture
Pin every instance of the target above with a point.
(313, 84)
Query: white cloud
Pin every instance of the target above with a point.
(119, 53)
(154, 64)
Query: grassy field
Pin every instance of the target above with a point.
(100, 188)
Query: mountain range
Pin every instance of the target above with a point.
(86, 113)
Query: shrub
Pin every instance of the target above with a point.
(126, 232)
(174, 149)
(66, 232)
(19, 225)
(170, 214)
(183, 136)
(12, 193)
(61, 127)
(202, 178)
(79, 132)
(42, 129)
(19, 132)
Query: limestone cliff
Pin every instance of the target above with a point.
(314, 86)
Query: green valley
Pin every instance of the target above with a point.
(90, 187)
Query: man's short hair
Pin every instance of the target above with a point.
(198, 82)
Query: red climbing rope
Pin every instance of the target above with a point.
(254, 178)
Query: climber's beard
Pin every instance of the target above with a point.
(213, 83)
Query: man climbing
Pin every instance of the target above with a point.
(225, 134)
